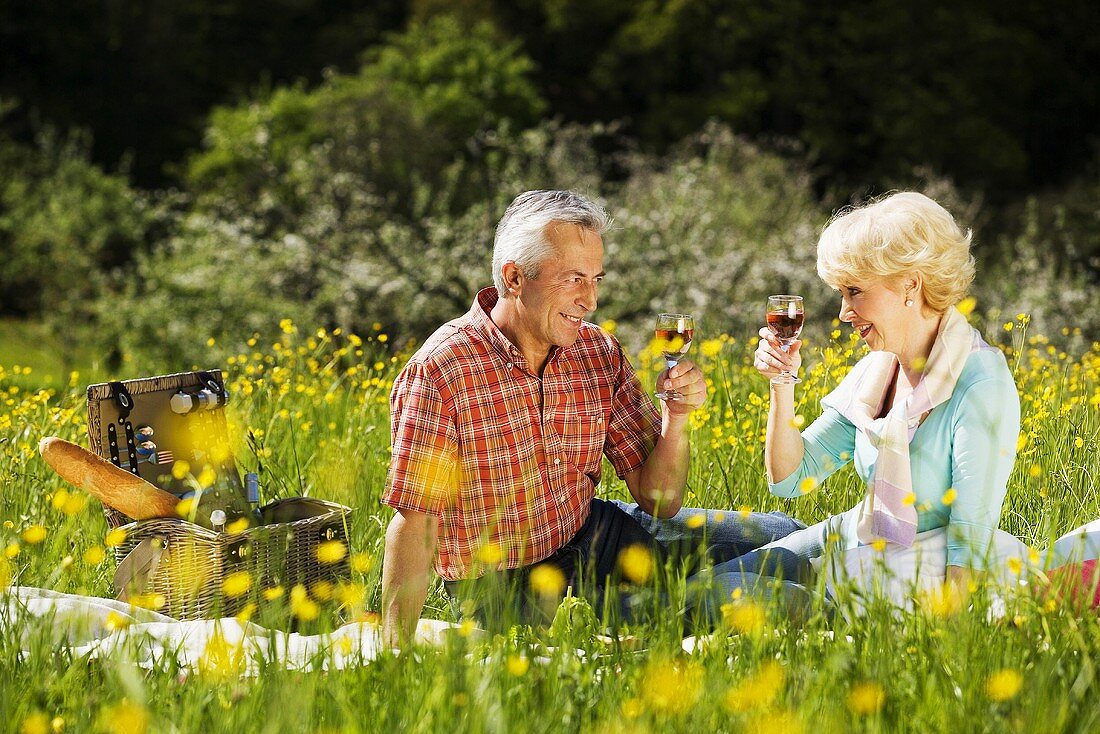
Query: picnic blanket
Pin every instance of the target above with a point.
(93, 627)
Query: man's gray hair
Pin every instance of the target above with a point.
(521, 234)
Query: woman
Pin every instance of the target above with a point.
(930, 417)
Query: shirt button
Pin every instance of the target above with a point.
(509, 365)
(557, 461)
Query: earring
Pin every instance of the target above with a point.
(908, 301)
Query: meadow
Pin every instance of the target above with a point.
(309, 413)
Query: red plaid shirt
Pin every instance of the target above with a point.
(509, 474)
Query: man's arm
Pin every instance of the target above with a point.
(410, 548)
(658, 486)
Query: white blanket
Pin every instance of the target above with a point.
(92, 626)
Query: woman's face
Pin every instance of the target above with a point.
(876, 310)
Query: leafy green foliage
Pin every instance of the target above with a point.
(65, 225)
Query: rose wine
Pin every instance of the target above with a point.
(785, 324)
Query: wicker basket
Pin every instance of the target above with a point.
(182, 564)
(194, 562)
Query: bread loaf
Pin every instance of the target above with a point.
(115, 487)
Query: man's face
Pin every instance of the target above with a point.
(552, 306)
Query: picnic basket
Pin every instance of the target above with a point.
(181, 567)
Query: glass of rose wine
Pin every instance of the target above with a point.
(674, 334)
(785, 317)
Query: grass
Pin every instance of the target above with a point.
(316, 405)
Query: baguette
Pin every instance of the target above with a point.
(115, 487)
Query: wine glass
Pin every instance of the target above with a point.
(785, 317)
(674, 334)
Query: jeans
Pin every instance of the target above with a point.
(589, 561)
(780, 570)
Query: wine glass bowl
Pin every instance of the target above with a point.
(673, 335)
(785, 316)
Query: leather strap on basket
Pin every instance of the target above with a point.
(138, 567)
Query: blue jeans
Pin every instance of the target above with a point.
(589, 561)
(723, 534)
(780, 570)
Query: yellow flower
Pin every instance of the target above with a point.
(879, 545)
(757, 690)
(670, 686)
(331, 551)
(185, 507)
(221, 658)
(942, 601)
(301, 606)
(744, 616)
(710, 348)
(517, 665)
(909, 498)
(148, 601)
(1003, 685)
(361, 563)
(236, 584)
(246, 612)
(322, 590)
(238, 526)
(273, 593)
(866, 698)
(696, 521)
(116, 621)
(636, 563)
(58, 499)
(11, 551)
(5, 573)
(74, 504)
(94, 556)
(966, 305)
(949, 497)
(546, 580)
(609, 326)
(36, 723)
(490, 554)
(34, 535)
(114, 538)
(207, 477)
(807, 485)
(180, 469)
(351, 594)
(1015, 565)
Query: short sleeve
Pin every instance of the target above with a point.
(635, 423)
(827, 446)
(423, 472)
(986, 428)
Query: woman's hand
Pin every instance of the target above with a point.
(770, 359)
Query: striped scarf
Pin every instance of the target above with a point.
(888, 511)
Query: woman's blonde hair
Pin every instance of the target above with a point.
(899, 233)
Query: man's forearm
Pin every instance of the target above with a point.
(410, 548)
(664, 474)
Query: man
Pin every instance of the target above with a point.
(502, 418)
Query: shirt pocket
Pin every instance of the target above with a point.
(582, 439)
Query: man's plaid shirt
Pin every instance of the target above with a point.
(508, 461)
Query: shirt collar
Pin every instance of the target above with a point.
(484, 325)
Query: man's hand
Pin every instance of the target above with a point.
(410, 548)
(686, 379)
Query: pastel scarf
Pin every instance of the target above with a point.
(888, 509)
